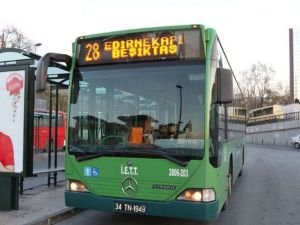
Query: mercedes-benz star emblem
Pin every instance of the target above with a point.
(129, 186)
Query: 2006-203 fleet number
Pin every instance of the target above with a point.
(178, 172)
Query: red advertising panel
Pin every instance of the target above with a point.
(12, 97)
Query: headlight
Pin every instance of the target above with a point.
(73, 185)
(198, 195)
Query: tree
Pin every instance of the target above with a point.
(278, 95)
(257, 84)
(11, 37)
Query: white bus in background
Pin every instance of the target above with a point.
(265, 114)
(236, 111)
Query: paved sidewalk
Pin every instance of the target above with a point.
(36, 206)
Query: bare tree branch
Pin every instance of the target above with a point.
(257, 84)
(11, 37)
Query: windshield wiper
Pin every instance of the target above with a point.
(130, 151)
(75, 149)
(96, 155)
(156, 151)
(170, 158)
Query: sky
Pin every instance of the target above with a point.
(251, 31)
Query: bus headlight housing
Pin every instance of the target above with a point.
(198, 195)
(74, 185)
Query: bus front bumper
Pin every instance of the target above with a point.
(177, 209)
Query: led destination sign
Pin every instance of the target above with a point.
(150, 46)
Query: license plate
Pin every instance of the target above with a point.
(129, 207)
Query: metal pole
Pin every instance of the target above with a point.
(291, 51)
(37, 133)
(50, 136)
(56, 134)
(21, 185)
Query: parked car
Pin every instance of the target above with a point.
(295, 141)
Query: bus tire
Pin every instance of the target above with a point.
(241, 171)
(229, 186)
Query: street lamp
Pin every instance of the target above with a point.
(180, 108)
(37, 45)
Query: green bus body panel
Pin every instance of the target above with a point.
(106, 188)
(152, 176)
(228, 148)
(176, 209)
(216, 176)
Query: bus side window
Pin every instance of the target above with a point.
(215, 114)
(217, 134)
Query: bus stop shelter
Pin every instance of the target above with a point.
(17, 81)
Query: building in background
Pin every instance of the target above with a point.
(294, 46)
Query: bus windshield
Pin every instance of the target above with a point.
(139, 108)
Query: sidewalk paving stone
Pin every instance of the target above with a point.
(35, 205)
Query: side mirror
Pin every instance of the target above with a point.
(42, 68)
(75, 86)
(225, 86)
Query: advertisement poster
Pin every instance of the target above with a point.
(12, 85)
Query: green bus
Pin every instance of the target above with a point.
(148, 127)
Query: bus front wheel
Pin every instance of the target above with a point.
(241, 171)
(229, 187)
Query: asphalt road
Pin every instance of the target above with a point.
(268, 193)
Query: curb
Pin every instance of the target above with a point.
(270, 146)
(56, 217)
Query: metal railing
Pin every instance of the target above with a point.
(52, 174)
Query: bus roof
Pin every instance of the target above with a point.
(141, 30)
(266, 107)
